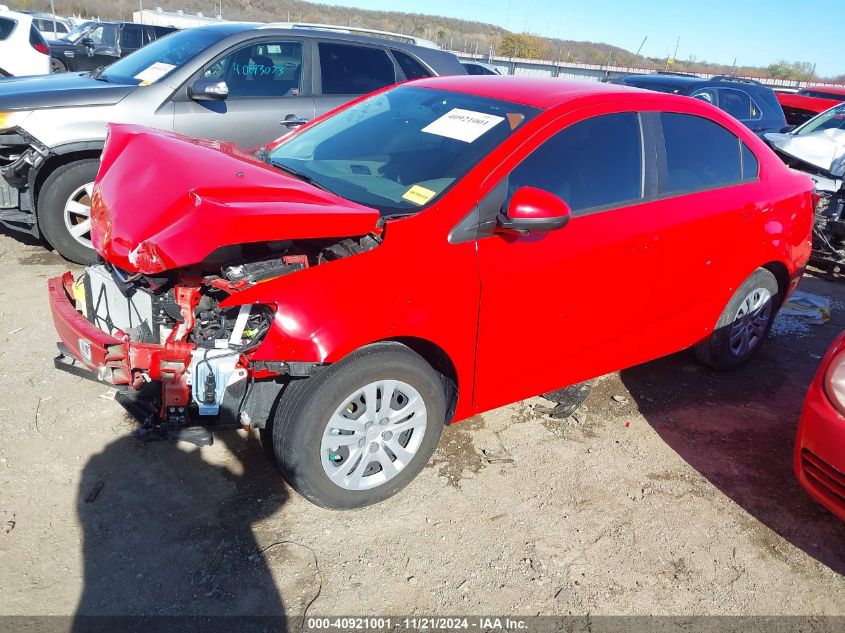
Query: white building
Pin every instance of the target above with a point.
(179, 19)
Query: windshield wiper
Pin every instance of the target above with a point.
(300, 176)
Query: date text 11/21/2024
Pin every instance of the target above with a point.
(419, 623)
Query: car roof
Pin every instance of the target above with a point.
(16, 15)
(537, 92)
(837, 90)
(680, 81)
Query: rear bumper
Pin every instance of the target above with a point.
(819, 458)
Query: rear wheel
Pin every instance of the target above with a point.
(360, 430)
(744, 323)
(64, 209)
(57, 66)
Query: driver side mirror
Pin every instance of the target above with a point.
(531, 210)
(87, 42)
(208, 89)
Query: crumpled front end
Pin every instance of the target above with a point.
(180, 340)
(162, 314)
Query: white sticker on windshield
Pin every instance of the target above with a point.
(463, 125)
(154, 72)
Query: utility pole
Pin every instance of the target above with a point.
(141, 14)
(637, 54)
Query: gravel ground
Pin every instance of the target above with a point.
(676, 497)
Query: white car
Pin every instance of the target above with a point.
(52, 27)
(23, 50)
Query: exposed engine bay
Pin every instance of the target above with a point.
(821, 155)
(186, 357)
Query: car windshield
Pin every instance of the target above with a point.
(149, 64)
(400, 150)
(833, 119)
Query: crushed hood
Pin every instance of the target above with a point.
(165, 201)
(824, 149)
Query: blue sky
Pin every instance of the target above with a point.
(755, 32)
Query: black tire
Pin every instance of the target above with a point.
(307, 404)
(53, 196)
(57, 66)
(717, 350)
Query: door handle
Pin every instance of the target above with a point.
(292, 120)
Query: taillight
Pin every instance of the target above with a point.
(834, 382)
(37, 41)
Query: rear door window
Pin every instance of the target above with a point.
(354, 70)
(130, 37)
(700, 154)
(410, 66)
(591, 164)
(266, 69)
(7, 26)
(738, 104)
(709, 95)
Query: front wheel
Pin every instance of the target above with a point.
(744, 323)
(360, 430)
(64, 209)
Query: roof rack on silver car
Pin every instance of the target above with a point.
(353, 30)
(677, 73)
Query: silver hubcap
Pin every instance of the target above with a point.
(78, 214)
(373, 435)
(750, 322)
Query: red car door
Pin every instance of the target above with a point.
(712, 208)
(562, 306)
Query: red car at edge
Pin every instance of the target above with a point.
(422, 255)
(820, 445)
(801, 106)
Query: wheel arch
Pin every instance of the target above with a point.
(781, 273)
(440, 361)
(60, 156)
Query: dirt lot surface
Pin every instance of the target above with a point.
(678, 499)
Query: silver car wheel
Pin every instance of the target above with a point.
(77, 214)
(373, 435)
(750, 323)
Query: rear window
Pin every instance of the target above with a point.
(354, 70)
(700, 154)
(7, 27)
(410, 66)
(36, 39)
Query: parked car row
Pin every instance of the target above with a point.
(244, 83)
(222, 292)
(97, 44)
(217, 290)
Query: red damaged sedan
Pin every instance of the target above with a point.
(820, 445)
(422, 255)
